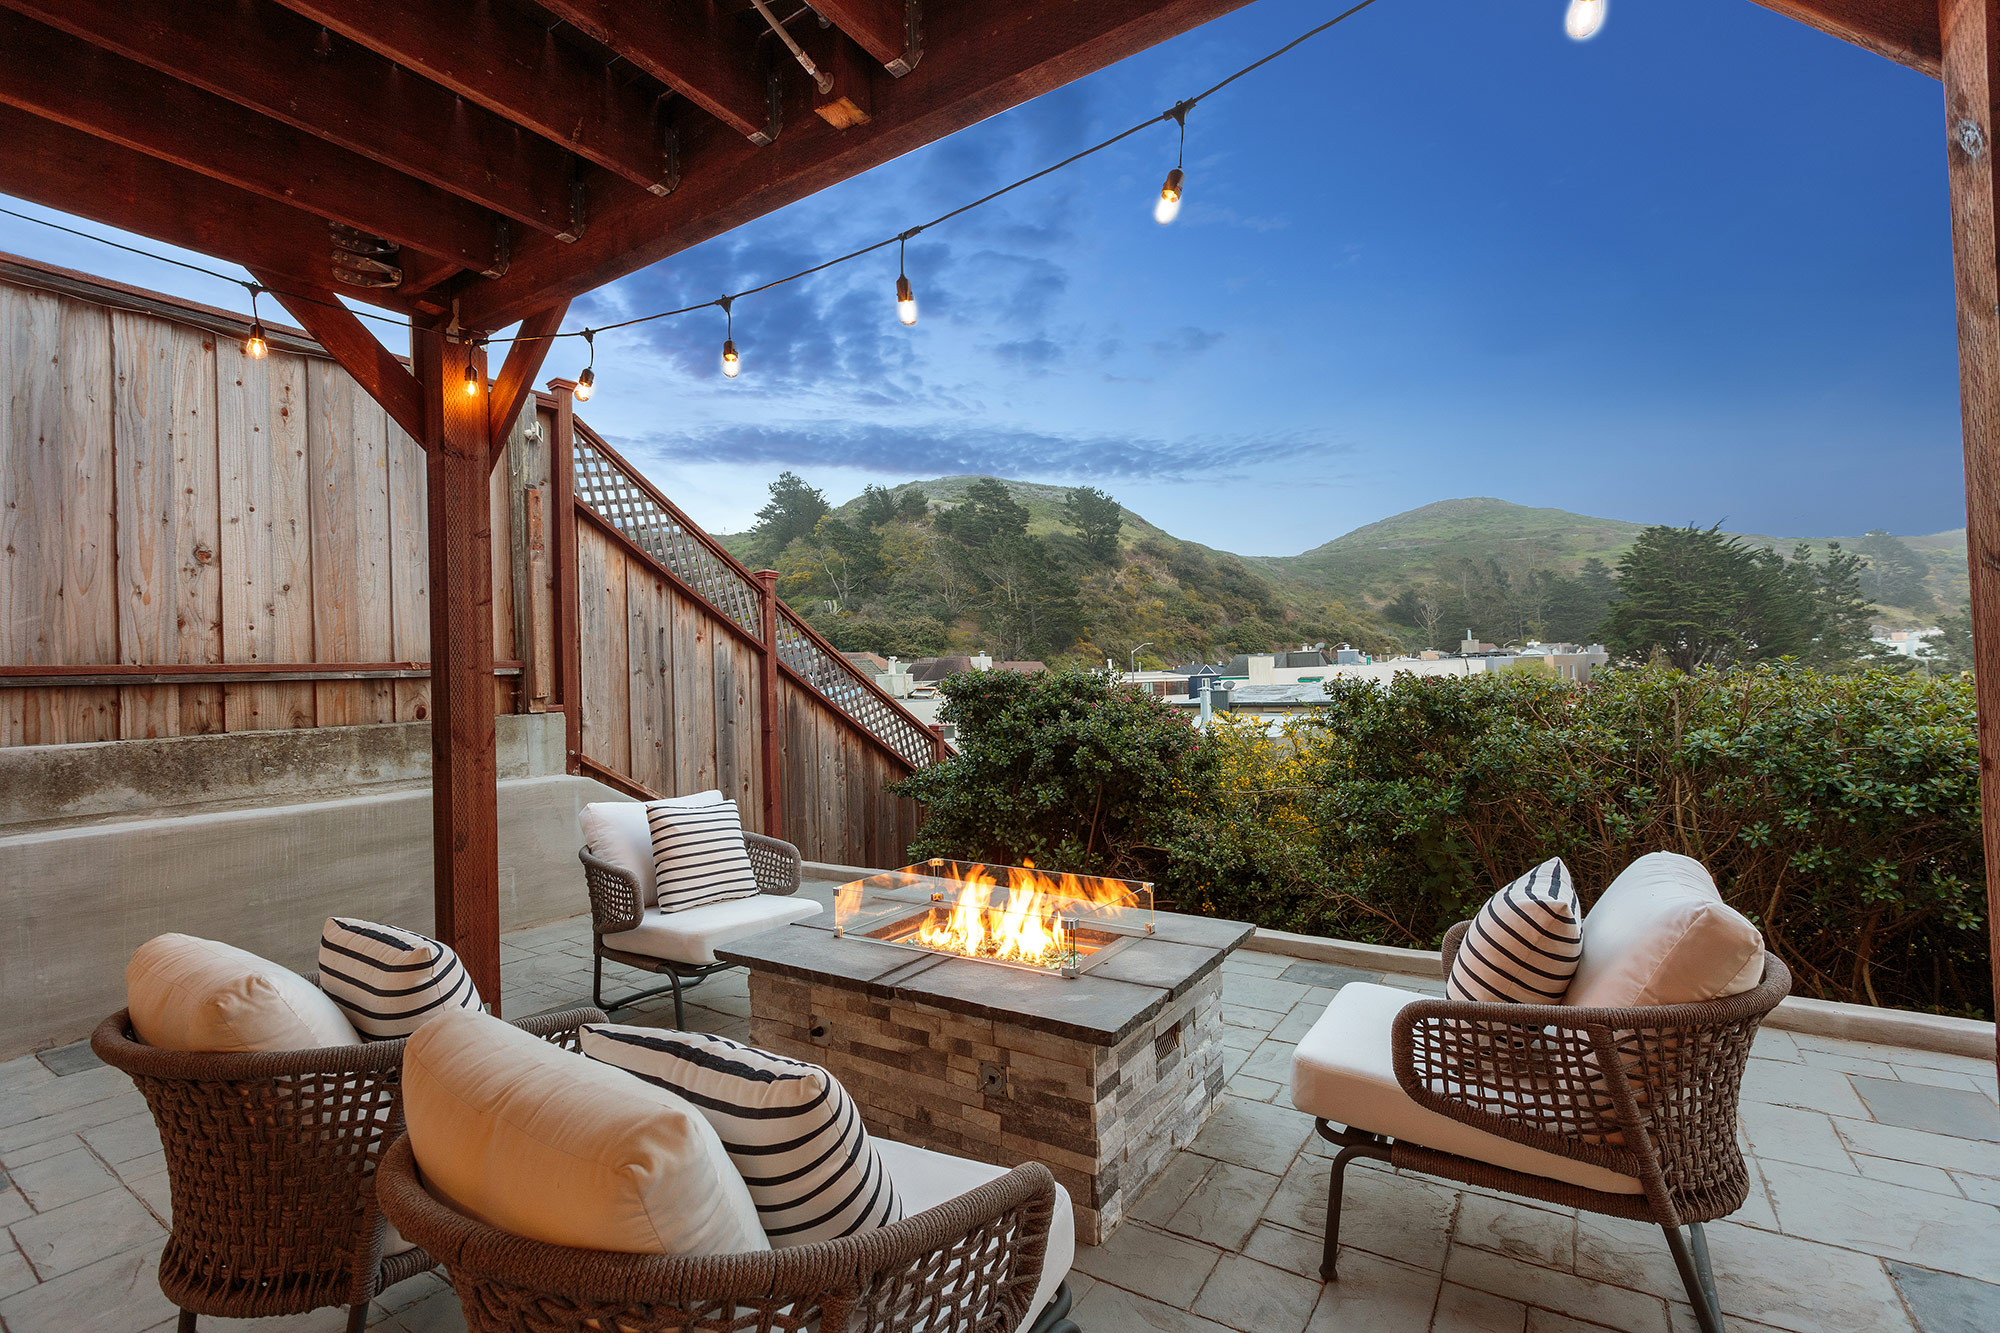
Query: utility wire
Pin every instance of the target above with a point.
(1177, 112)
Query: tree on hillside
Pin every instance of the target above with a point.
(1097, 519)
(878, 505)
(1577, 606)
(793, 511)
(1893, 572)
(1705, 599)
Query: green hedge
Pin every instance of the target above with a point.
(1840, 813)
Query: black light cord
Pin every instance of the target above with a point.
(1177, 113)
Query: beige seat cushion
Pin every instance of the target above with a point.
(927, 1179)
(539, 1141)
(1344, 1071)
(692, 935)
(1661, 934)
(189, 994)
(616, 831)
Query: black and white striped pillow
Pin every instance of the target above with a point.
(1524, 945)
(698, 855)
(792, 1130)
(390, 982)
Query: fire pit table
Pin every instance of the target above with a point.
(1008, 1015)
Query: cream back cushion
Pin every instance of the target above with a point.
(1661, 934)
(539, 1141)
(616, 831)
(189, 994)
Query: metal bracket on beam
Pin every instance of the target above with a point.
(503, 250)
(579, 207)
(913, 39)
(774, 90)
(363, 260)
(670, 159)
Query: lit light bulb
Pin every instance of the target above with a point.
(732, 364)
(1169, 206)
(471, 381)
(254, 346)
(1585, 17)
(906, 300)
(586, 384)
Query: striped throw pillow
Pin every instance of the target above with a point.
(698, 855)
(792, 1130)
(1524, 945)
(390, 982)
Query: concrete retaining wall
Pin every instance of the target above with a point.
(254, 839)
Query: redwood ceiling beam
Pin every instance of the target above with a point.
(80, 174)
(708, 57)
(63, 79)
(518, 70)
(272, 61)
(360, 353)
(515, 379)
(979, 60)
(1906, 31)
(877, 26)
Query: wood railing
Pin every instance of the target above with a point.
(691, 670)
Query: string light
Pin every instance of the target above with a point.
(906, 295)
(732, 364)
(1169, 206)
(256, 346)
(586, 383)
(1585, 17)
(472, 370)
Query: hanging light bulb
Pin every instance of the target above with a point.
(906, 295)
(471, 380)
(1168, 206)
(1585, 17)
(732, 364)
(586, 383)
(256, 345)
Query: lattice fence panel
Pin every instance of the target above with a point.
(836, 680)
(662, 534)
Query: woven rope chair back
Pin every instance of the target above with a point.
(269, 1158)
(967, 1266)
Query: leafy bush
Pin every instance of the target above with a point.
(1840, 813)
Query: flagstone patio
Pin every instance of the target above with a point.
(1875, 1202)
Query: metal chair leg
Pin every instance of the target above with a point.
(357, 1317)
(1054, 1317)
(680, 1011)
(1335, 1190)
(597, 980)
(1695, 1276)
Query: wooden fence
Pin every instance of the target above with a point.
(194, 541)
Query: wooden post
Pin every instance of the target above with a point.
(465, 792)
(562, 508)
(767, 680)
(1971, 31)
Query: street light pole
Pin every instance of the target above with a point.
(1133, 656)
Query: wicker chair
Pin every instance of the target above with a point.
(970, 1265)
(271, 1159)
(617, 908)
(1645, 1093)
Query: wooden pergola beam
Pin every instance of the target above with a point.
(63, 79)
(979, 61)
(360, 353)
(89, 177)
(1971, 75)
(706, 56)
(272, 61)
(877, 26)
(1905, 31)
(490, 56)
(516, 380)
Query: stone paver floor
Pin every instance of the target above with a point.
(1875, 1202)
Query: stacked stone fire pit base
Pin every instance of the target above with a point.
(1101, 1077)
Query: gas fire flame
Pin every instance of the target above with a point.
(1027, 926)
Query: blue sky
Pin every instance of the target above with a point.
(1695, 270)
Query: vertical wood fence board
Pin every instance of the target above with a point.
(500, 508)
(688, 740)
(645, 635)
(727, 717)
(88, 614)
(198, 568)
(409, 571)
(31, 519)
(143, 423)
